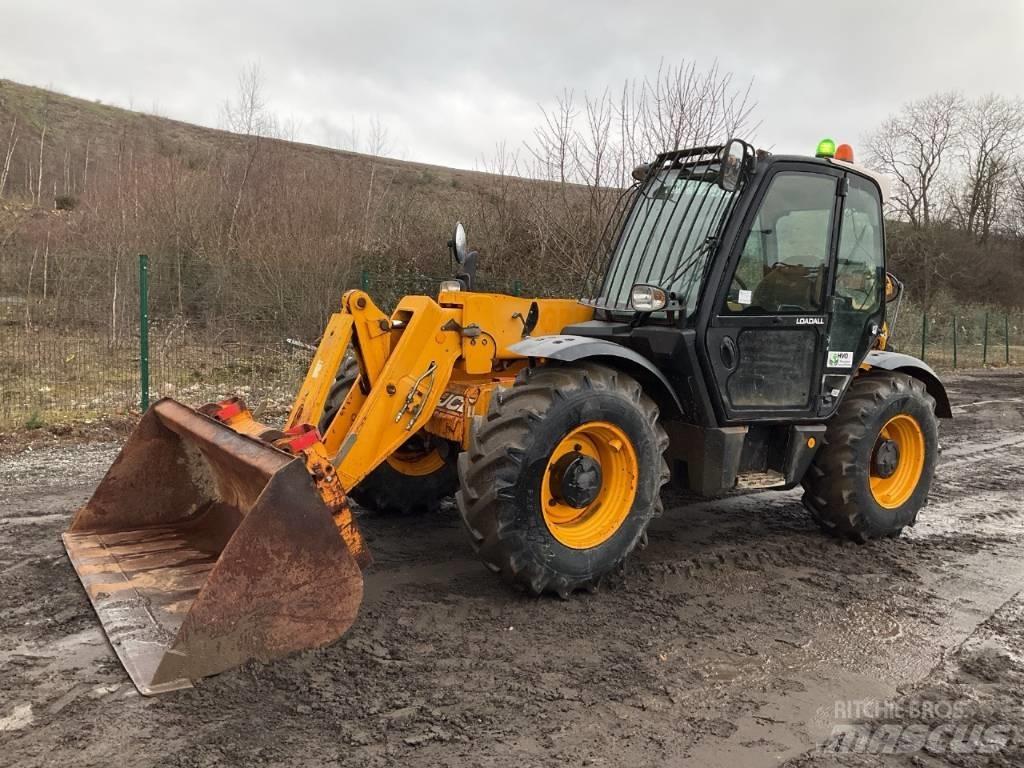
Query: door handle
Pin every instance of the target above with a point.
(729, 353)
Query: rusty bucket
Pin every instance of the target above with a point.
(203, 548)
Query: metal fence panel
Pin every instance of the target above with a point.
(53, 370)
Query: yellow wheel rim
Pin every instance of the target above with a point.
(595, 523)
(896, 489)
(416, 463)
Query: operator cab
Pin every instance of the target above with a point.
(755, 281)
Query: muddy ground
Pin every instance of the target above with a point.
(740, 637)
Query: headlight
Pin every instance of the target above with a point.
(647, 298)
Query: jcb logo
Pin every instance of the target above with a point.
(453, 402)
(810, 321)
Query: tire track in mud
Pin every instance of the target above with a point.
(719, 645)
(887, 608)
(968, 452)
(753, 516)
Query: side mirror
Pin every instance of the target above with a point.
(734, 156)
(458, 243)
(893, 288)
(641, 171)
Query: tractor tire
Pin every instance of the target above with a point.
(547, 432)
(413, 480)
(348, 372)
(872, 475)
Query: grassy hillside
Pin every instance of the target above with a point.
(243, 229)
(72, 124)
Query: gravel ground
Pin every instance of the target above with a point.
(740, 637)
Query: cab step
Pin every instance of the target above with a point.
(758, 481)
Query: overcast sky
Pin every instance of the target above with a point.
(450, 80)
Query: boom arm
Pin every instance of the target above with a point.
(408, 361)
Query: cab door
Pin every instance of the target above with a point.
(767, 334)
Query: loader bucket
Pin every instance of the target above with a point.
(203, 548)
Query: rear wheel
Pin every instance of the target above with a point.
(872, 475)
(562, 476)
(415, 478)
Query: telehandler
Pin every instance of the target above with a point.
(735, 340)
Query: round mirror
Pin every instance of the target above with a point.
(641, 171)
(460, 242)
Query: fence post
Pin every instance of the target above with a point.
(1006, 337)
(924, 333)
(144, 329)
(984, 342)
(954, 339)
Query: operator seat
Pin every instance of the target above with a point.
(789, 287)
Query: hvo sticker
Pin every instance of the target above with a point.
(840, 359)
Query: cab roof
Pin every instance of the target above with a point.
(880, 179)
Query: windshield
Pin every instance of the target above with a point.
(665, 238)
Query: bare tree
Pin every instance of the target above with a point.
(683, 106)
(589, 145)
(992, 129)
(379, 141)
(1016, 195)
(600, 139)
(12, 142)
(248, 116)
(39, 183)
(914, 147)
(85, 166)
(247, 112)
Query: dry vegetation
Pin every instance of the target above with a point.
(247, 228)
(957, 234)
(241, 229)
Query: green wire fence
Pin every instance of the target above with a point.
(54, 373)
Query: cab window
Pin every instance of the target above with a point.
(860, 274)
(785, 256)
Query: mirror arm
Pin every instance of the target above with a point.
(467, 272)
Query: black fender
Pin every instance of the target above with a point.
(897, 361)
(570, 349)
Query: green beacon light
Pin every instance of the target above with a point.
(826, 148)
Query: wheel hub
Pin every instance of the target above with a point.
(589, 484)
(576, 480)
(886, 458)
(897, 461)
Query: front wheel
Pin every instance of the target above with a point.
(872, 476)
(562, 476)
(414, 479)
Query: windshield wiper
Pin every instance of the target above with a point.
(689, 262)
